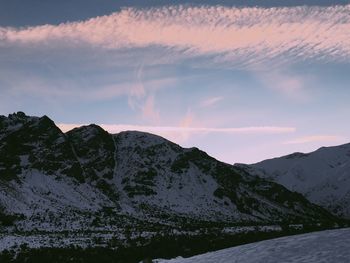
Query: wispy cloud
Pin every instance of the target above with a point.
(287, 83)
(149, 111)
(314, 138)
(210, 101)
(242, 35)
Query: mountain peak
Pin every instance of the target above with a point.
(88, 133)
(92, 129)
(16, 120)
(143, 139)
(296, 155)
(19, 117)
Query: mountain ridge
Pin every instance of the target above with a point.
(322, 176)
(87, 178)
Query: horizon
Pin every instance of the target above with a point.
(242, 81)
(102, 126)
(116, 129)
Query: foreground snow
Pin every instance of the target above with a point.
(326, 246)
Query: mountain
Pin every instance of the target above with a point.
(88, 179)
(322, 176)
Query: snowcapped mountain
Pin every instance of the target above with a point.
(322, 176)
(90, 179)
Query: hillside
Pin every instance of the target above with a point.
(322, 176)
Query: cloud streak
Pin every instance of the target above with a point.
(314, 138)
(115, 128)
(240, 35)
(183, 132)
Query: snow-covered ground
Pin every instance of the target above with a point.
(325, 246)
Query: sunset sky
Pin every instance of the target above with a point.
(242, 80)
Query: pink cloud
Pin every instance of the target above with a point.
(244, 35)
(149, 112)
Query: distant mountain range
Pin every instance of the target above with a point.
(322, 176)
(90, 179)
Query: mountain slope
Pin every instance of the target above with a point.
(90, 179)
(322, 176)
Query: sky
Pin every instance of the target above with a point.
(242, 80)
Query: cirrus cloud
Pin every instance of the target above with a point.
(246, 36)
(211, 101)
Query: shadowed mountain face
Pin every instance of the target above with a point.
(31, 143)
(323, 176)
(87, 178)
